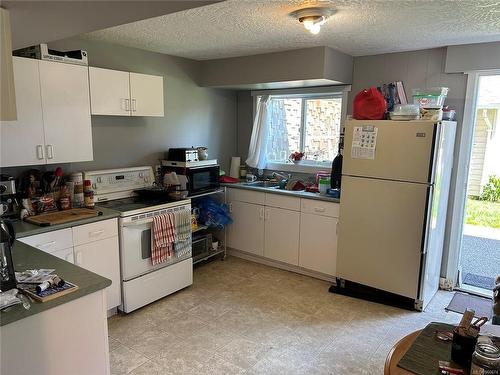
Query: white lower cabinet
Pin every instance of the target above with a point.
(282, 235)
(296, 231)
(94, 247)
(318, 243)
(102, 257)
(247, 231)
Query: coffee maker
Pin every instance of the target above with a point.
(7, 275)
(9, 206)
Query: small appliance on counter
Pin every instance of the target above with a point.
(182, 154)
(9, 206)
(202, 176)
(7, 275)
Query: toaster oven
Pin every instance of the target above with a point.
(183, 154)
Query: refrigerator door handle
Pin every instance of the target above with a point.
(428, 219)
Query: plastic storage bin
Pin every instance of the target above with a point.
(430, 98)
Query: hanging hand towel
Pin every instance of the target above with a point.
(163, 238)
(182, 233)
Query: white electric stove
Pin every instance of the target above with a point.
(142, 283)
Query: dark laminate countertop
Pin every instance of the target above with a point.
(298, 194)
(24, 229)
(27, 257)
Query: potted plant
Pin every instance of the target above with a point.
(296, 157)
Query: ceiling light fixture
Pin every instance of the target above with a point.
(313, 18)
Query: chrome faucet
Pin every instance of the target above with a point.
(282, 176)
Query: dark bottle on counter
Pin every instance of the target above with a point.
(336, 175)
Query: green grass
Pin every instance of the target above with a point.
(484, 213)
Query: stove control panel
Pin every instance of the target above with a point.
(117, 183)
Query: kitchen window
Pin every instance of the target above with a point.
(308, 122)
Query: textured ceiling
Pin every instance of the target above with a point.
(360, 27)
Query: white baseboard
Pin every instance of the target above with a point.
(280, 265)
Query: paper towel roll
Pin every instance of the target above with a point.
(234, 171)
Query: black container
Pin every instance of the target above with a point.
(462, 349)
(7, 275)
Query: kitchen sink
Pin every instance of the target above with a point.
(263, 184)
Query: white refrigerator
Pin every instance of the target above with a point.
(395, 184)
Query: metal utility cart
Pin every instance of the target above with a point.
(203, 232)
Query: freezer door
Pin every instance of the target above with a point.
(381, 234)
(403, 151)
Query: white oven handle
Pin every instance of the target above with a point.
(137, 223)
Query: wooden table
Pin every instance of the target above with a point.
(397, 352)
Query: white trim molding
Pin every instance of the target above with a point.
(460, 188)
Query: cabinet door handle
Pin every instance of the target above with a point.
(39, 152)
(134, 105)
(96, 233)
(337, 228)
(231, 207)
(319, 209)
(261, 213)
(78, 258)
(50, 152)
(127, 104)
(123, 104)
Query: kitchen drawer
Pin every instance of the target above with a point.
(281, 201)
(83, 234)
(51, 241)
(65, 254)
(248, 196)
(313, 206)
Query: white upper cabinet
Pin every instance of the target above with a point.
(66, 112)
(146, 95)
(110, 92)
(53, 107)
(118, 93)
(22, 141)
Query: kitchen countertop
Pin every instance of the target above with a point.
(27, 257)
(298, 194)
(24, 229)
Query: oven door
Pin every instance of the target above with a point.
(135, 249)
(203, 179)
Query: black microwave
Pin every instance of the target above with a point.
(200, 179)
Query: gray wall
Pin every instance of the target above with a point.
(194, 116)
(467, 57)
(245, 123)
(417, 69)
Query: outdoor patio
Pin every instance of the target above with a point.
(480, 256)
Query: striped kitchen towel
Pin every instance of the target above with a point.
(182, 233)
(183, 249)
(182, 225)
(163, 238)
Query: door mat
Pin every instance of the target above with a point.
(463, 301)
(484, 282)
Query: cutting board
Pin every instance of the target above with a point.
(61, 217)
